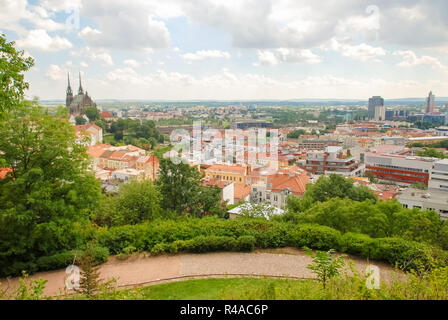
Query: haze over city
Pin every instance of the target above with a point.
(182, 50)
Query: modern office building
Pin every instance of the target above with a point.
(400, 169)
(374, 102)
(430, 103)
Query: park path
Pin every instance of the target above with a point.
(146, 270)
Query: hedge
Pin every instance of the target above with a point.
(244, 234)
(56, 261)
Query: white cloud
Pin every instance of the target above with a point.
(13, 13)
(286, 55)
(361, 52)
(58, 73)
(39, 39)
(410, 59)
(100, 55)
(266, 58)
(132, 63)
(54, 72)
(129, 25)
(205, 54)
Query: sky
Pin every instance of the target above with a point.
(233, 49)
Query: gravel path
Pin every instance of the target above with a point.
(149, 270)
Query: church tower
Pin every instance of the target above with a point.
(69, 93)
(80, 91)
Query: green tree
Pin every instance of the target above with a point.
(336, 186)
(296, 134)
(92, 113)
(135, 202)
(89, 281)
(80, 120)
(182, 190)
(12, 65)
(48, 192)
(371, 177)
(325, 265)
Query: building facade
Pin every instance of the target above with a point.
(399, 169)
(374, 102)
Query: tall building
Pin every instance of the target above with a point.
(430, 103)
(77, 104)
(374, 102)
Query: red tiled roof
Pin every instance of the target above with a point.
(295, 183)
(4, 172)
(241, 191)
(106, 114)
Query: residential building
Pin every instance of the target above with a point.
(333, 161)
(91, 131)
(149, 165)
(275, 188)
(227, 173)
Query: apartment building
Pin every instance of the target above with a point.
(277, 187)
(333, 160)
(227, 173)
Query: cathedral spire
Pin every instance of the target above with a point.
(80, 91)
(69, 92)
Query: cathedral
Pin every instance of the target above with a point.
(77, 104)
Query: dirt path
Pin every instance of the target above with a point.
(138, 270)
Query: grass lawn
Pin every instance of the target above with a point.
(219, 289)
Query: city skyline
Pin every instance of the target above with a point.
(223, 51)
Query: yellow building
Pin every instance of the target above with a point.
(227, 173)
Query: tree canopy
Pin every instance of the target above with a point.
(12, 65)
(48, 189)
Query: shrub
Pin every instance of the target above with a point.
(159, 248)
(246, 243)
(57, 261)
(315, 237)
(357, 244)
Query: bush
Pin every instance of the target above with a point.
(246, 243)
(357, 244)
(315, 237)
(160, 248)
(57, 261)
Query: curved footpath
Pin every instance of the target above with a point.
(146, 270)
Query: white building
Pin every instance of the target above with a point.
(439, 176)
(425, 200)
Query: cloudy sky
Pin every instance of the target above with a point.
(233, 49)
